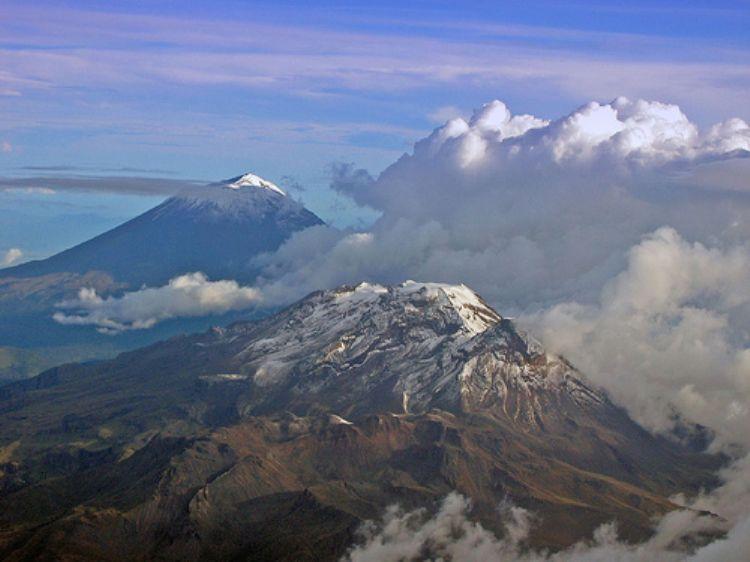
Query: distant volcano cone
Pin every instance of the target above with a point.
(216, 229)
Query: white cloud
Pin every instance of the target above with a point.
(670, 336)
(530, 212)
(450, 534)
(30, 190)
(669, 333)
(6, 147)
(13, 255)
(191, 294)
(444, 113)
(622, 138)
(316, 62)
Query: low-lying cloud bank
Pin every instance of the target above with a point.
(191, 294)
(450, 535)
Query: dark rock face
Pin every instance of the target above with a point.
(273, 440)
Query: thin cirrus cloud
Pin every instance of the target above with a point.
(223, 88)
(127, 185)
(323, 58)
(300, 66)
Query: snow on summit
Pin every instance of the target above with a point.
(251, 180)
(476, 316)
(248, 194)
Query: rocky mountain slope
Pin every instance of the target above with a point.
(275, 439)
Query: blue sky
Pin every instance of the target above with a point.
(207, 90)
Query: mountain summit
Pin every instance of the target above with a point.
(251, 180)
(405, 348)
(247, 196)
(275, 439)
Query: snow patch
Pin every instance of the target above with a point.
(251, 180)
(338, 420)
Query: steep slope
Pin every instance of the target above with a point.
(216, 229)
(274, 439)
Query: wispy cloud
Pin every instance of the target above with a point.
(79, 169)
(49, 184)
(444, 113)
(134, 51)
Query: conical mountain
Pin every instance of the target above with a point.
(216, 229)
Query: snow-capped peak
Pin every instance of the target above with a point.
(422, 344)
(248, 195)
(475, 314)
(338, 319)
(252, 180)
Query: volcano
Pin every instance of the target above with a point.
(216, 229)
(275, 439)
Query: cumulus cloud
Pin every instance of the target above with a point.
(11, 256)
(668, 339)
(529, 211)
(619, 233)
(669, 334)
(347, 179)
(191, 294)
(450, 535)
